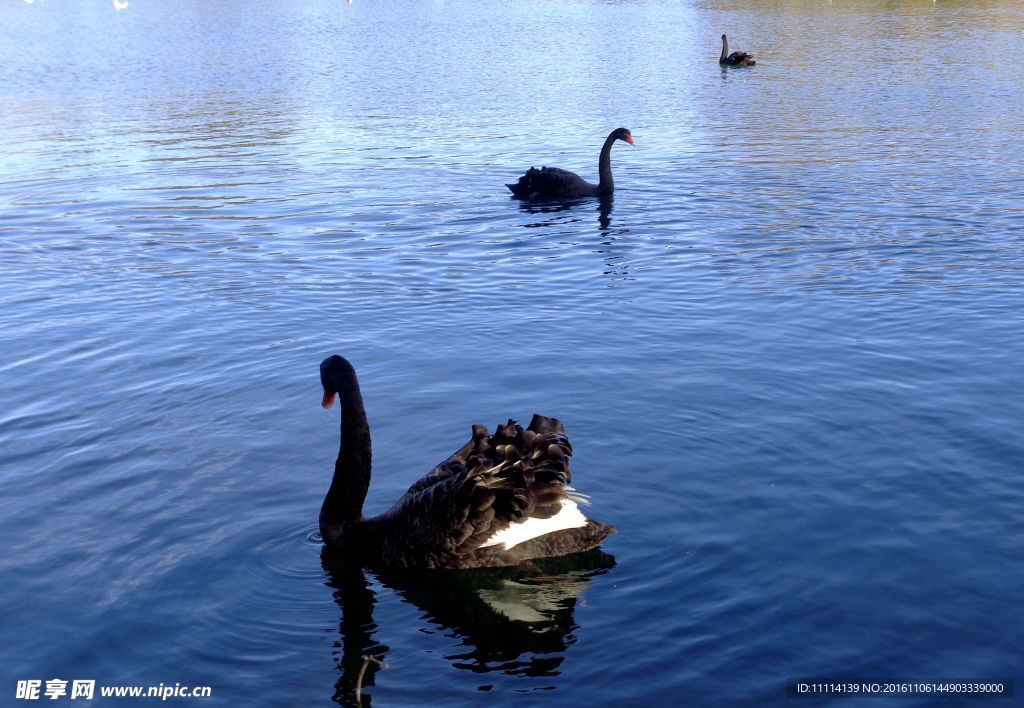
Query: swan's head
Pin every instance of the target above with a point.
(335, 375)
(724, 38)
(624, 135)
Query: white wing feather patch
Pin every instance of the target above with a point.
(577, 496)
(570, 517)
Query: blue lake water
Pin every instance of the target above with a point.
(788, 353)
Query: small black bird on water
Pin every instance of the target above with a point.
(736, 58)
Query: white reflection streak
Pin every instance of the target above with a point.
(120, 4)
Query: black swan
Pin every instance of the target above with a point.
(554, 183)
(736, 58)
(499, 500)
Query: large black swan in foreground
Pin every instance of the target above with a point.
(736, 58)
(499, 500)
(554, 183)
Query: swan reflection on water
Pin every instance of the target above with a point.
(604, 213)
(548, 209)
(517, 620)
(613, 245)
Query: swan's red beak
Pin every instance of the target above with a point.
(629, 139)
(328, 399)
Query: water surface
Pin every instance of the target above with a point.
(787, 352)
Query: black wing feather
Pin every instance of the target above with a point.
(491, 482)
(741, 58)
(551, 183)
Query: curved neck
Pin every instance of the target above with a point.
(344, 500)
(725, 49)
(605, 184)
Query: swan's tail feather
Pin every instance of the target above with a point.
(523, 187)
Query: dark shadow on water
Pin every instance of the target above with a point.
(613, 246)
(604, 212)
(355, 598)
(728, 68)
(517, 621)
(613, 249)
(548, 211)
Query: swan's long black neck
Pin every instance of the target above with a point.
(606, 185)
(725, 50)
(344, 500)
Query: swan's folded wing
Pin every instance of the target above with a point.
(550, 182)
(507, 478)
(449, 467)
(441, 472)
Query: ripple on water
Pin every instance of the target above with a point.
(786, 351)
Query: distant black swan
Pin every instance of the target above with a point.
(499, 500)
(555, 183)
(736, 58)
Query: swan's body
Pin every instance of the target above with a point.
(553, 183)
(736, 58)
(499, 500)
